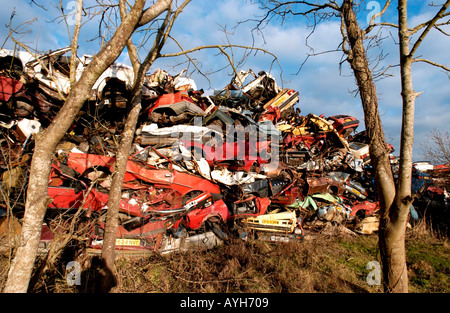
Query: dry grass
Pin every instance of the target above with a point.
(319, 265)
(325, 264)
(330, 263)
(428, 259)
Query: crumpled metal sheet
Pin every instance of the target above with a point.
(181, 154)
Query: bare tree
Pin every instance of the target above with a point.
(394, 199)
(46, 141)
(394, 219)
(74, 45)
(123, 151)
(437, 147)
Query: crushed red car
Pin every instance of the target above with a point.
(175, 107)
(162, 188)
(153, 200)
(241, 155)
(240, 160)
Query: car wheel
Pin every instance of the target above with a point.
(216, 228)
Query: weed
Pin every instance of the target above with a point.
(324, 264)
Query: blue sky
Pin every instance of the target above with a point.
(322, 86)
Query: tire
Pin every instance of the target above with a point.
(217, 230)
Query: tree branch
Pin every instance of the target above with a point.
(189, 58)
(372, 19)
(154, 11)
(36, 57)
(432, 63)
(432, 22)
(441, 30)
(74, 44)
(175, 54)
(221, 48)
(132, 50)
(276, 9)
(414, 30)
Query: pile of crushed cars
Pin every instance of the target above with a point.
(203, 169)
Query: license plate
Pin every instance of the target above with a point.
(128, 242)
(279, 239)
(271, 222)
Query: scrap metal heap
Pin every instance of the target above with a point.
(203, 168)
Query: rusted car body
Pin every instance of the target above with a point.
(239, 154)
(153, 201)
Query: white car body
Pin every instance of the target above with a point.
(423, 166)
(57, 81)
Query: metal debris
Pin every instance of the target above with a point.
(203, 168)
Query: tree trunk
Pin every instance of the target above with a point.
(394, 221)
(393, 218)
(37, 195)
(379, 153)
(123, 152)
(74, 44)
(108, 272)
